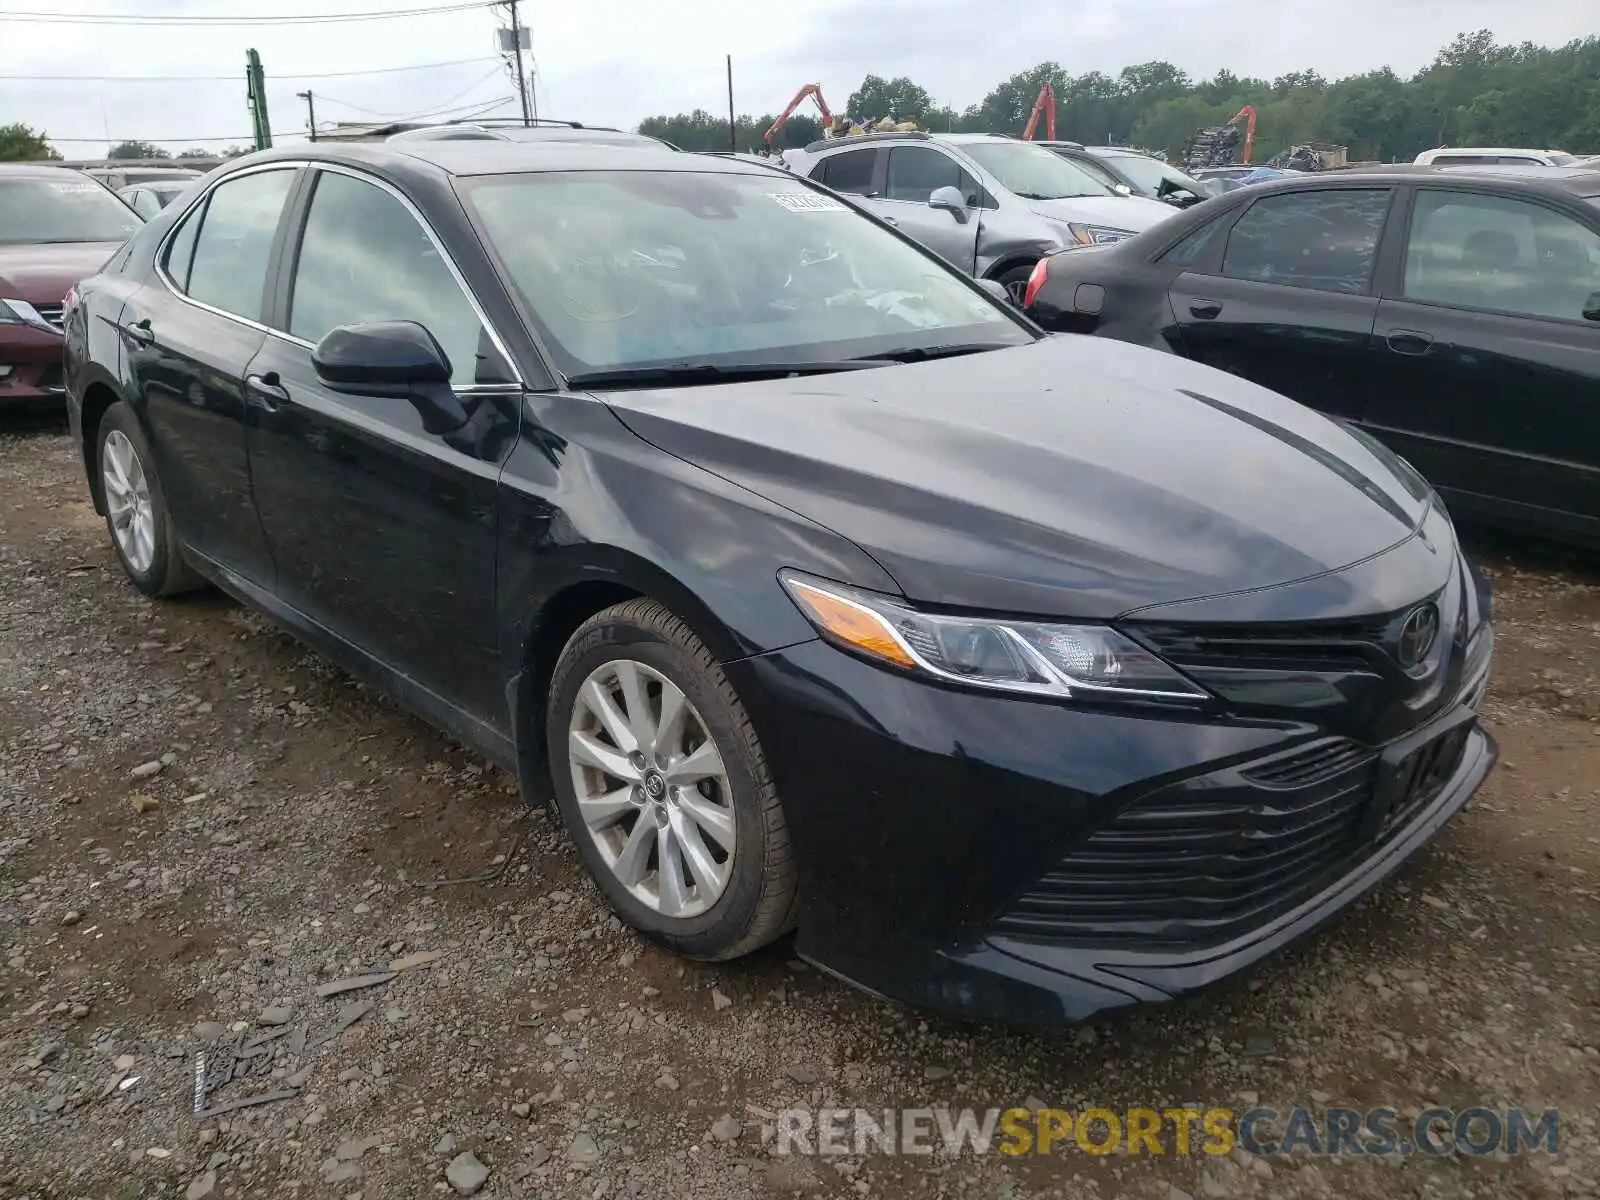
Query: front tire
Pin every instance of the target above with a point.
(137, 517)
(663, 787)
(1015, 282)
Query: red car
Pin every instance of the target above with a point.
(57, 226)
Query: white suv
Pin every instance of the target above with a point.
(1479, 156)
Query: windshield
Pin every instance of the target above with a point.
(1104, 175)
(1149, 174)
(1563, 160)
(626, 269)
(1032, 172)
(36, 209)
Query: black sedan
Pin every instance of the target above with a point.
(817, 586)
(1455, 314)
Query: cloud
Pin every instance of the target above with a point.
(617, 61)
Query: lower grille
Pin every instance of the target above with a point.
(1190, 867)
(50, 312)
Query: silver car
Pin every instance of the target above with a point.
(991, 205)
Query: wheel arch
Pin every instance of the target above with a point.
(99, 394)
(571, 593)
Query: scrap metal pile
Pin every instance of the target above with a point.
(1214, 146)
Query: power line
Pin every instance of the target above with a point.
(234, 78)
(46, 18)
(479, 107)
(443, 106)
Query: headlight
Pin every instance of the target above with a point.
(1034, 658)
(1096, 235)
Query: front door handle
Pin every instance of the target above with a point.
(139, 332)
(1409, 341)
(267, 390)
(889, 220)
(1206, 310)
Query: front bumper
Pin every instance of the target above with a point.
(30, 369)
(932, 824)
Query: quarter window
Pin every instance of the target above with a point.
(180, 250)
(234, 246)
(1193, 246)
(1325, 239)
(1491, 252)
(851, 171)
(364, 257)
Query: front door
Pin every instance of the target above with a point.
(914, 173)
(384, 533)
(1289, 303)
(1490, 372)
(189, 340)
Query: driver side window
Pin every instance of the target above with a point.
(364, 257)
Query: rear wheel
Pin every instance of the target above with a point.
(137, 516)
(662, 785)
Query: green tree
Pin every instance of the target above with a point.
(897, 98)
(136, 150)
(19, 143)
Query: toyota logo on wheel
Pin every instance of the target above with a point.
(1416, 635)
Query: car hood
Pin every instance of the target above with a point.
(1075, 476)
(42, 274)
(1135, 213)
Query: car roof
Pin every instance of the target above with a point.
(1447, 150)
(1570, 181)
(35, 170)
(493, 157)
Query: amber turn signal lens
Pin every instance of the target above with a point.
(851, 624)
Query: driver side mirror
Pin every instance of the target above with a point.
(949, 199)
(1591, 307)
(392, 358)
(997, 290)
(1122, 189)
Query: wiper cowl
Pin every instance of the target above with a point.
(687, 374)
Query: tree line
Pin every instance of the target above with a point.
(22, 143)
(1474, 92)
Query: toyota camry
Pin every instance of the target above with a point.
(1025, 676)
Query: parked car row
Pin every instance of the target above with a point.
(1026, 676)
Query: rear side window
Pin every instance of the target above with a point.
(1194, 246)
(234, 245)
(1326, 239)
(850, 172)
(915, 172)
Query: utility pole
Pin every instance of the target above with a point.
(256, 89)
(522, 78)
(733, 136)
(311, 111)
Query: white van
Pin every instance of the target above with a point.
(1478, 156)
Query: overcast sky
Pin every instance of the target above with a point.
(617, 61)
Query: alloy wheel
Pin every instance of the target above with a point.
(652, 788)
(128, 502)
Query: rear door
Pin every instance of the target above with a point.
(912, 175)
(384, 533)
(1488, 379)
(189, 335)
(1286, 298)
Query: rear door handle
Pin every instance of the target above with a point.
(267, 390)
(1206, 310)
(1409, 341)
(140, 332)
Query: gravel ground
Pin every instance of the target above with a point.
(203, 826)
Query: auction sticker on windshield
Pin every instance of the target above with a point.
(808, 202)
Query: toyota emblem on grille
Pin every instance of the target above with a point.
(1417, 634)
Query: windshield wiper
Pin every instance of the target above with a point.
(686, 373)
(924, 353)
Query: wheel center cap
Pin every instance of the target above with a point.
(655, 784)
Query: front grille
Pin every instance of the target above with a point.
(1302, 647)
(1194, 866)
(50, 312)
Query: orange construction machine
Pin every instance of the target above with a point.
(814, 90)
(1045, 104)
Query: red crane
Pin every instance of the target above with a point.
(1046, 104)
(814, 90)
(1249, 130)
